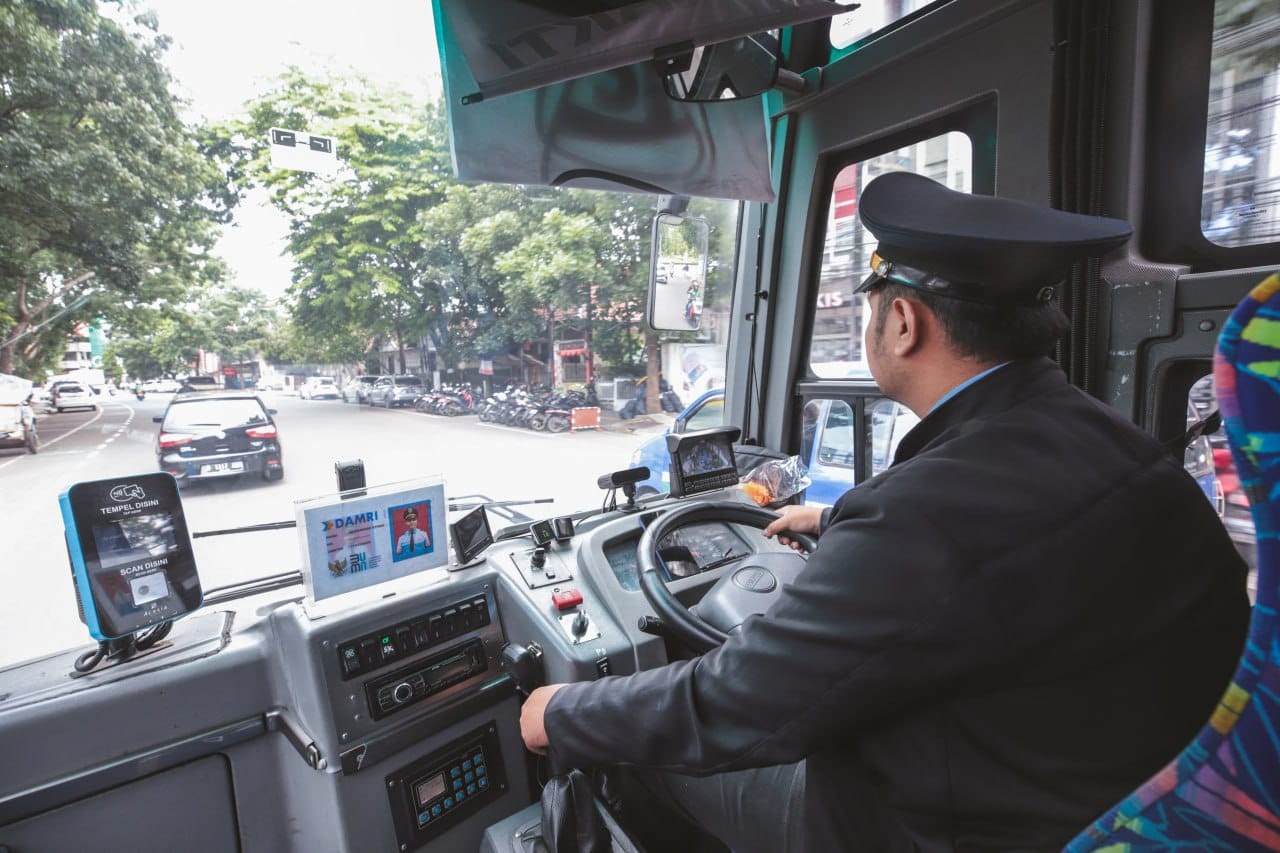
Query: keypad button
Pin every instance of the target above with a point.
(437, 810)
(466, 765)
(471, 777)
(483, 783)
(457, 784)
(471, 789)
(423, 818)
(448, 802)
(461, 796)
(455, 772)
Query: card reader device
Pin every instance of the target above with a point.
(131, 556)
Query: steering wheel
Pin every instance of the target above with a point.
(748, 588)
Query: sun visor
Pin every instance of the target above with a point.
(614, 129)
(515, 45)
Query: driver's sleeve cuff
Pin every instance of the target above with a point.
(826, 520)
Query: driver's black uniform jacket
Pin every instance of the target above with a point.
(1026, 616)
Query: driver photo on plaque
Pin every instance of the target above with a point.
(412, 538)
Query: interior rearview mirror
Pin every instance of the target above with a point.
(677, 272)
(729, 70)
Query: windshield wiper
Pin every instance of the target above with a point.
(728, 557)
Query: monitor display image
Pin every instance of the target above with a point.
(471, 535)
(702, 461)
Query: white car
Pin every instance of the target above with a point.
(319, 388)
(73, 395)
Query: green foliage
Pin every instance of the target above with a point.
(1248, 29)
(392, 249)
(102, 190)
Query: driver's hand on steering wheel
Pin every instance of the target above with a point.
(795, 519)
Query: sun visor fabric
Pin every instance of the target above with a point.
(515, 45)
(614, 130)
(994, 249)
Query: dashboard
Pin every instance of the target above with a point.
(397, 715)
(684, 553)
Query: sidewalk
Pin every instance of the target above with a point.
(656, 422)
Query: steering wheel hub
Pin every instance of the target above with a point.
(755, 579)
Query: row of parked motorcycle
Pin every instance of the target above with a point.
(549, 411)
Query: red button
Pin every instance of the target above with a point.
(566, 599)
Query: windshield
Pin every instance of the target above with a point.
(160, 229)
(224, 413)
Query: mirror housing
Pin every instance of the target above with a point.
(677, 272)
(726, 71)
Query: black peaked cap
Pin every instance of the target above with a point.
(977, 247)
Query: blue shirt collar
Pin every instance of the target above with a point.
(965, 384)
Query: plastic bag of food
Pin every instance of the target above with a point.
(775, 482)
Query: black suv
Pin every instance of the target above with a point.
(211, 434)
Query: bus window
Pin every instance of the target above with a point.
(1240, 205)
(887, 424)
(1225, 488)
(835, 348)
(871, 16)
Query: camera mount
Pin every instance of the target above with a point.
(625, 480)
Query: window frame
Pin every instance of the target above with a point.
(1177, 122)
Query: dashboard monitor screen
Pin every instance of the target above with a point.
(471, 535)
(702, 461)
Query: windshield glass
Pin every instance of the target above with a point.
(201, 413)
(165, 218)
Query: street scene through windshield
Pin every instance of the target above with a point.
(160, 246)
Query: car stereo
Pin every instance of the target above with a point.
(131, 555)
(702, 461)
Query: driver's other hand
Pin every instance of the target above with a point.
(532, 727)
(795, 519)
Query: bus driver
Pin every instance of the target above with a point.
(997, 638)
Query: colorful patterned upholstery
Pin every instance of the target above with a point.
(1223, 791)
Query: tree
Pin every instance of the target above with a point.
(104, 197)
(359, 254)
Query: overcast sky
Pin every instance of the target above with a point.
(225, 53)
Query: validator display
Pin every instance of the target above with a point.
(131, 556)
